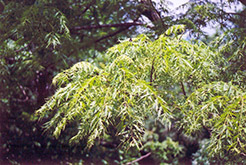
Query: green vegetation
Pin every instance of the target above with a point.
(169, 79)
(78, 87)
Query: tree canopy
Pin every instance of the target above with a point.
(169, 79)
(96, 81)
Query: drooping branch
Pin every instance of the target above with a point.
(123, 28)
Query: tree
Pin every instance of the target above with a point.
(214, 111)
(169, 79)
(39, 38)
(211, 106)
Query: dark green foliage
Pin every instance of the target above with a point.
(167, 151)
(38, 39)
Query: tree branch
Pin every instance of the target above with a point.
(142, 157)
(243, 2)
(87, 7)
(152, 71)
(243, 154)
(127, 24)
(123, 27)
(149, 10)
(1, 7)
(112, 34)
(240, 14)
(183, 89)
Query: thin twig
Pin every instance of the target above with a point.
(240, 14)
(243, 154)
(152, 71)
(142, 157)
(88, 6)
(181, 35)
(24, 93)
(183, 89)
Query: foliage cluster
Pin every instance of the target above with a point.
(38, 39)
(170, 79)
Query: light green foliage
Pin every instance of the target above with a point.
(175, 30)
(79, 71)
(141, 79)
(38, 39)
(220, 108)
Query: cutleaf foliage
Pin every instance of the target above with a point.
(175, 81)
(164, 87)
(218, 107)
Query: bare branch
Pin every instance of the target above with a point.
(243, 2)
(142, 157)
(240, 14)
(123, 28)
(243, 154)
(149, 10)
(127, 24)
(87, 7)
(112, 34)
(152, 71)
(183, 89)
